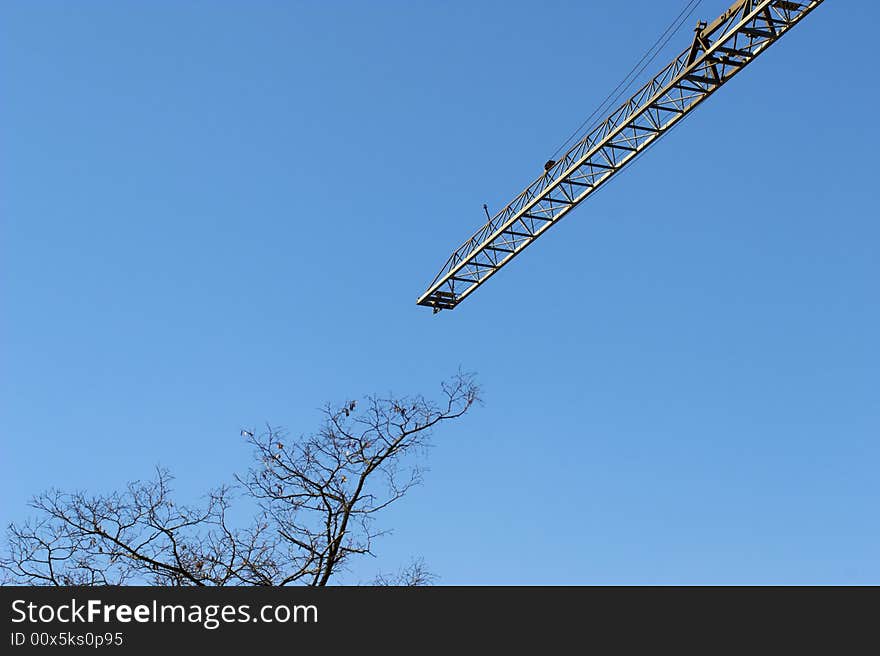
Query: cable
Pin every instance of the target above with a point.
(647, 58)
(671, 29)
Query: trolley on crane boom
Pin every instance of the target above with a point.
(719, 50)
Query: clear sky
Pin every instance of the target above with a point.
(217, 214)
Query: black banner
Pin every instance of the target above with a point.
(392, 620)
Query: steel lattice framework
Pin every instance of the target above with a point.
(719, 51)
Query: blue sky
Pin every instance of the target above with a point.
(220, 214)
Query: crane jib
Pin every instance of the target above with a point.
(741, 33)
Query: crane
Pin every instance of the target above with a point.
(719, 51)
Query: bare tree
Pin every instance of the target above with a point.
(414, 574)
(135, 536)
(315, 502)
